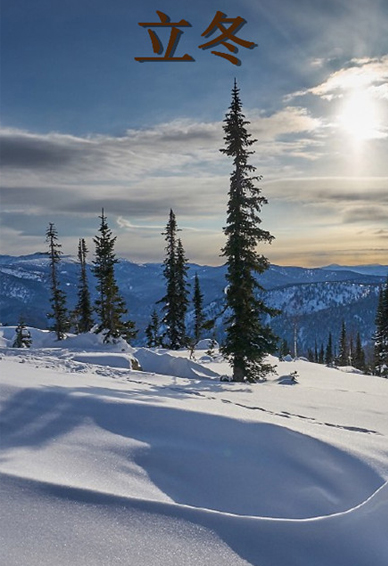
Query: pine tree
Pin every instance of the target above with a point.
(183, 291)
(343, 353)
(381, 334)
(152, 331)
(109, 306)
(176, 297)
(83, 308)
(248, 340)
(23, 336)
(58, 298)
(199, 317)
(329, 357)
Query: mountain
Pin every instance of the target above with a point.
(313, 301)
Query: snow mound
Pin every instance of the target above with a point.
(206, 344)
(46, 339)
(125, 361)
(167, 364)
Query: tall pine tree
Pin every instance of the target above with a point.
(59, 311)
(110, 306)
(176, 297)
(248, 340)
(343, 352)
(329, 356)
(199, 317)
(381, 333)
(84, 307)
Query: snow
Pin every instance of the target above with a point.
(102, 464)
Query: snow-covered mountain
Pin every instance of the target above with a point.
(315, 300)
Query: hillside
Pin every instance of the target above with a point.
(102, 464)
(307, 297)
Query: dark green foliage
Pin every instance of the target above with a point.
(343, 351)
(152, 331)
(248, 339)
(381, 335)
(110, 306)
(83, 309)
(329, 357)
(176, 297)
(58, 298)
(23, 336)
(199, 317)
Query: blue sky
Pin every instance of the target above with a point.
(85, 125)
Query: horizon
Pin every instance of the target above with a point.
(120, 258)
(84, 125)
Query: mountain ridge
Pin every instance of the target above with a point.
(307, 296)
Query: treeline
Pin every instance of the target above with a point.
(348, 350)
(108, 314)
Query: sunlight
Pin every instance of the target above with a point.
(359, 116)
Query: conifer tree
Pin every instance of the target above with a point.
(381, 333)
(343, 353)
(23, 336)
(183, 291)
(152, 331)
(329, 357)
(176, 297)
(199, 317)
(59, 311)
(110, 306)
(248, 340)
(83, 308)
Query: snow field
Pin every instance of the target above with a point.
(102, 464)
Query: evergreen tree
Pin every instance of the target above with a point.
(23, 336)
(84, 308)
(343, 353)
(110, 306)
(248, 340)
(359, 355)
(152, 331)
(58, 298)
(176, 297)
(329, 358)
(183, 291)
(381, 334)
(199, 317)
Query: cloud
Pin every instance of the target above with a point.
(369, 74)
(366, 214)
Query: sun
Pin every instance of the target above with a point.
(359, 116)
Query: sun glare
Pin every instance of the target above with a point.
(359, 116)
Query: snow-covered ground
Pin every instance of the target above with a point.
(105, 465)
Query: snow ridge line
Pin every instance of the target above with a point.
(95, 497)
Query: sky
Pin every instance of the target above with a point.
(86, 126)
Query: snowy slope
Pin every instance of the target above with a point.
(104, 465)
